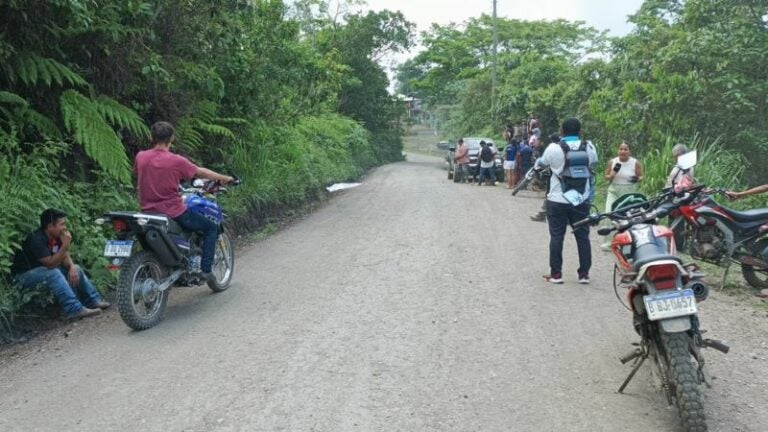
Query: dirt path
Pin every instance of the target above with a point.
(407, 304)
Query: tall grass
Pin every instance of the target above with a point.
(716, 166)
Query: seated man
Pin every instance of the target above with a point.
(44, 260)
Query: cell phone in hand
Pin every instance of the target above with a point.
(616, 167)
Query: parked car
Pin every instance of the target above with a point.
(473, 144)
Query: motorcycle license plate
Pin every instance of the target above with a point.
(670, 304)
(118, 248)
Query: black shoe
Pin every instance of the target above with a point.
(541, 217)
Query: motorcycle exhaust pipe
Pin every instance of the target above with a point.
(161, 246)
(700, 290)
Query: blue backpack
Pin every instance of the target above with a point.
(576, 173)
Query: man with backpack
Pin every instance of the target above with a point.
(487, 164)
(572, 161)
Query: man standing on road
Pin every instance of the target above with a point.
(487, 161)
(461, 160)
(568, 201)
(44, 260)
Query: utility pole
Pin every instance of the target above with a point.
(493, 71)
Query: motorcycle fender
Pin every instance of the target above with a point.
(676, 325)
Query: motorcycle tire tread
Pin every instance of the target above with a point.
(683, 374)
(125, 289)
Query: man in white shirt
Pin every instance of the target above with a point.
(568, 207)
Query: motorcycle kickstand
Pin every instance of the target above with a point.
(725, 275)
(637, 353)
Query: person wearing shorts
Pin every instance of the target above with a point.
(510, 155)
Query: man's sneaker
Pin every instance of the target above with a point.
(555, 278)
(583, 278)
(540, 217)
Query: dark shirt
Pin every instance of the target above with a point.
(511, 150)
(36, 246)
(526, 157)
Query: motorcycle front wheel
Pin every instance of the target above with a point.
(140, 303)
(223, 264)
(683, 379)
(522, 184)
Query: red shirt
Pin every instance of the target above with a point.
(159, 173)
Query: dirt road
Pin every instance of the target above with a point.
(407, 304)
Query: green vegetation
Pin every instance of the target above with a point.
(691, 72)
(290, 99)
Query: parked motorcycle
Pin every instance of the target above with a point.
(153, 254)
(536, 178)
(663, 295)
(713, 233)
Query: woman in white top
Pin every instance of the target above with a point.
(623, 173)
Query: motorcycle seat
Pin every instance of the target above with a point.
(651, 252)
(173, 226)
(755, 215)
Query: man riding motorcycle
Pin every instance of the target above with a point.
(159, 172)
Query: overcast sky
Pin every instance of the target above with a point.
(608, 15)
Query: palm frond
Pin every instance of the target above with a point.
(31, 69)
(101, 143)
(120, 115)
(12, 99)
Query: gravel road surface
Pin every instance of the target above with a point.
(409, 303)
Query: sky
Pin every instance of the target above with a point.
(608, 15)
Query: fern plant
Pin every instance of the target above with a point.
(202, 121)
(89, 122)
(32, 69)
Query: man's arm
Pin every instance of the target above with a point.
(56, 260)
(753, 191)
(212, 175)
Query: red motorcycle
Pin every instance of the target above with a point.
(663, 295)
(713, 233)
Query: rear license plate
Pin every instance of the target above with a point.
(118, 248)
(670, 304)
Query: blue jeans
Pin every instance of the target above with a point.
(56, 280)
(489, 172)
(196, 222)
(559, 216)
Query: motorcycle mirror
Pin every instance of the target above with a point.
(687, 161)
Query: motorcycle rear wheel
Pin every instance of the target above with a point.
(756, 277)
(223, 264)
(141, 308)
(683, 378)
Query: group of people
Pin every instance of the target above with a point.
(44, 259)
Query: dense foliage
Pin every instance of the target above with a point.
(291, 99)
(691, 71)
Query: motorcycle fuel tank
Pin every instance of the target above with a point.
(209, 209)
